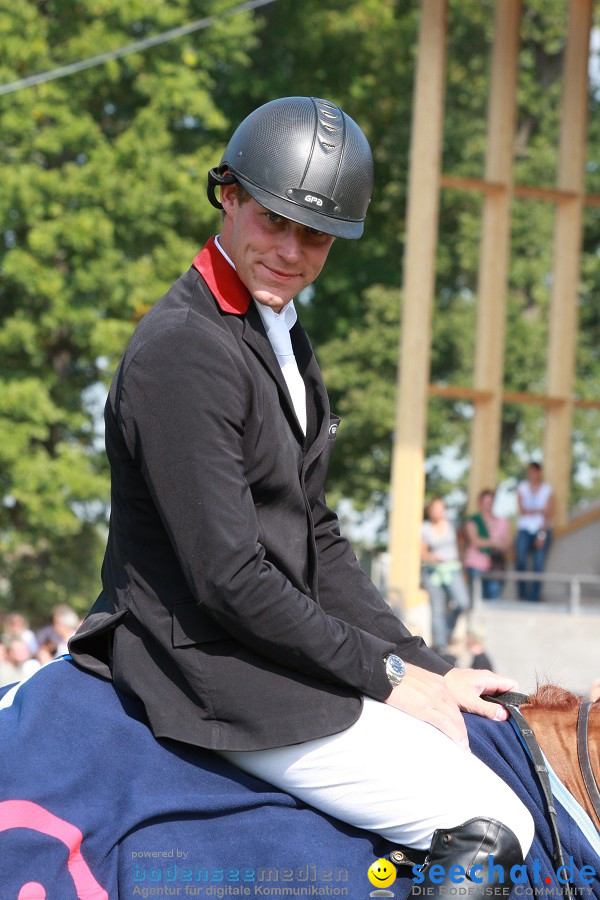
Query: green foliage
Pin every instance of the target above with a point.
(102, 205)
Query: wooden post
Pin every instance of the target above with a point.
(494, 251)
(408, 475)
(566, 254)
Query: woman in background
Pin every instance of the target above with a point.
(441, 573)
(488, 539)
(534, 536)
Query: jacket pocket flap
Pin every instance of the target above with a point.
(191, 625)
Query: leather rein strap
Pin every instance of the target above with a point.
(511, 701)
(583, 752)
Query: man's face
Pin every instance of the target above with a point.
(274, 257)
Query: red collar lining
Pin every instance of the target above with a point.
(224, 282)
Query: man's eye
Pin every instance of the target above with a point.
(315, 232)
(273, 217)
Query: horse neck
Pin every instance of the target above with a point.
(556, 733)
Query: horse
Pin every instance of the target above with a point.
(567, 728)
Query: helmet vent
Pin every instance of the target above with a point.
(327, 147)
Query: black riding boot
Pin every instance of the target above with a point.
(469, 846)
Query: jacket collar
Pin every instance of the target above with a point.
(224, 282)
(234, 297)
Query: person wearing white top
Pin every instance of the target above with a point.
(535, 498)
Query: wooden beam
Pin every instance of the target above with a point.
(586, 404)
(408, 457)
(494, 252)
(567, 255)
(477, 185)
(534, 399)
(577, 522)
(525, 191)
(457, 392)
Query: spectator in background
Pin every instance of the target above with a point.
(535, 498)
(488, 539)
(479, 655)
(46, 652)
(441, 574)
(16, 627)
(20, 658)
(8, 672)
(22, 654)
(65, 623)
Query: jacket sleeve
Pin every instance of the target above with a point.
(345, 590)
(183, 405)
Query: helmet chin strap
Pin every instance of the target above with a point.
(217, 177)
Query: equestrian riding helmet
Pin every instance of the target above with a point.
(304, 159)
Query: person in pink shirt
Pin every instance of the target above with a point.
(488, 538)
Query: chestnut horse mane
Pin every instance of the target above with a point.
(552, 697)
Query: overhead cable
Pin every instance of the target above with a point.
(136, 47)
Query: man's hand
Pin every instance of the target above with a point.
(428, 697)
(439, 700)
(467, 685)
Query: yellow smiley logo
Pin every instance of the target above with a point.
(381, 873)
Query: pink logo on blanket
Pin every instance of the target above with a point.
(25, 814)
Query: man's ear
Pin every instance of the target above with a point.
(229, 197)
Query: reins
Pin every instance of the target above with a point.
(511, 701)
(583, 753)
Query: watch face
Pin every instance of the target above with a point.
(395, 669)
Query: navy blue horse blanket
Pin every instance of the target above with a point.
(93, 807)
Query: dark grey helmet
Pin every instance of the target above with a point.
(304, 159)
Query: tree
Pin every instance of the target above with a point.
(102, 200)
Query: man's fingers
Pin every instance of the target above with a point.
(426, 696)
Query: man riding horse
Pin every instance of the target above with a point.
(231, 606)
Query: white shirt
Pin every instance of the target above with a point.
(533, 500)
(278, 327)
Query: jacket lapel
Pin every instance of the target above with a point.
(234, 299)
(255, 336)
(317, 401)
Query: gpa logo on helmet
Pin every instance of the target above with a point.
(313, 201)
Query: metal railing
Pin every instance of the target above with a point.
(574, 582)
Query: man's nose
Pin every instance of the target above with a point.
(289, 246)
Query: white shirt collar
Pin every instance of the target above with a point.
(227, 257)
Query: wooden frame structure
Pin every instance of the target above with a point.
(425, 181)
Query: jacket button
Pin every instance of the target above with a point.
(396, 856)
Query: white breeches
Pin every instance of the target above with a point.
(391, 774)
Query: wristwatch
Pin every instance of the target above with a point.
(394, 669)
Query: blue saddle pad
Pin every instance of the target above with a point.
(93, 807)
